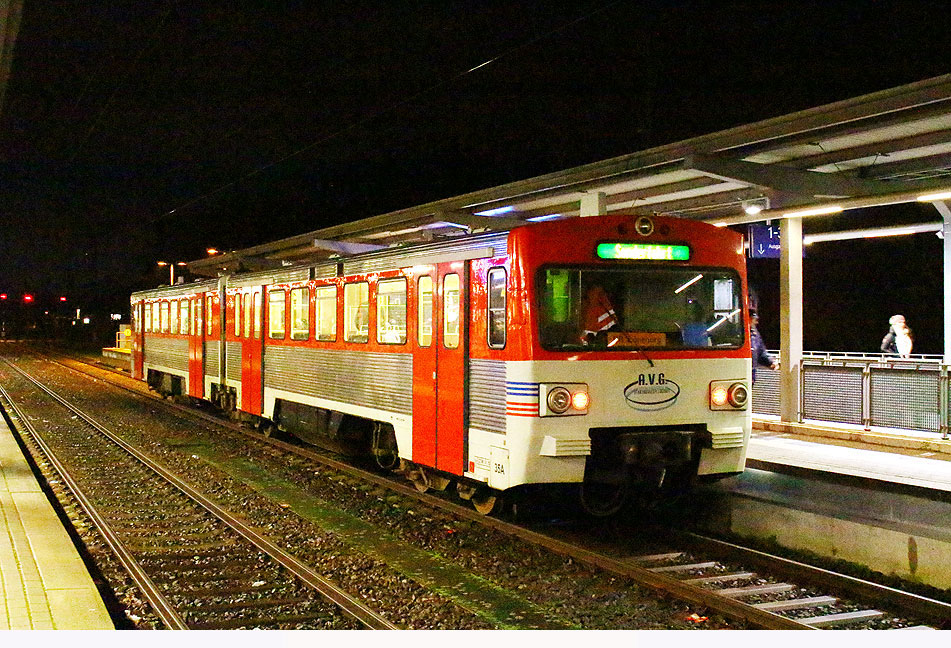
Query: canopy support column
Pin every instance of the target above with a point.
(945, 212)
(594, 203)
(790, 315)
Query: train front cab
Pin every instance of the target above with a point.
(627, 364)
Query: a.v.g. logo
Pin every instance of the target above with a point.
(651, 392)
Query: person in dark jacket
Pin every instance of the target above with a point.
(760, 356)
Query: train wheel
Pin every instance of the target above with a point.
(601, 499)
(484, 501)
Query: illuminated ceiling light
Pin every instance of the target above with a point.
(496, 212)
(878, 232)
(814, 211)
(946, 195)
(546, 217)
(688, 284)
(752, 208)
(720, 224)
(723, 318)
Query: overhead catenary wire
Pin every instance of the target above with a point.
(386, 109)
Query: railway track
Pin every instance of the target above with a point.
(698, 570)
(199, 566)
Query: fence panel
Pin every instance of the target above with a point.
(909, 394)
(832, 393)
(905, 398)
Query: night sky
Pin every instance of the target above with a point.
(142, 131)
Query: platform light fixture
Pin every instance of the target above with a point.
(498, 211)
(945, 195)
(815, 211)
(171, 269)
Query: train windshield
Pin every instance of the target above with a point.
(616, 309)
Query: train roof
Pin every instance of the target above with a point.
(890, 143)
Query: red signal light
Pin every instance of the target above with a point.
(62, 299)
(28, 298)
(3, 296)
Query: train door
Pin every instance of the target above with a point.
(252, 350)
(439, 368)
(196, 348)
(138, 339)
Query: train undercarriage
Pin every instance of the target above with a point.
(625, 464)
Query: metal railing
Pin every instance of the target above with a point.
(865, 389)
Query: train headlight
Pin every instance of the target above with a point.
(559, 400)
(580, 400)
(729, 395)
(718, 396)
(563, 399)
(738, 395)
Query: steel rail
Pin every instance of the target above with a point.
(928, 609)
(659, 582)
(350, 605)
(916, 605)
(159, 603)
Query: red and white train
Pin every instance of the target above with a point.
(609, 352)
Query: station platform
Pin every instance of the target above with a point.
(44, 584)
(917, 459)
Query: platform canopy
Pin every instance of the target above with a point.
(883, 148)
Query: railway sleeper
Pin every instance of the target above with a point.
(797, 604)
(261, 591)
(252, 604)
(263, 622)
(841, 618)
(192, 576)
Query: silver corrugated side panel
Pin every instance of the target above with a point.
(212, 358)
(233, 360)
(167, 352)
(380, 380)
(487, 395)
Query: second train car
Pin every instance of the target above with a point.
(611, 353)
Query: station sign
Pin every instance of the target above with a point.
(764, 241)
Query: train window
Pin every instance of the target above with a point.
(249, 314)
(196, 320)
(300, 314)
(173, 312)
(183, 321)
(148, 318)
(209, 307)
(620, 309)
(356, 312)
(391, 311)
(155, 318)
(424, 311)
(326, 298)
(237, 315)
(496, 308)
(450, 311)
(275, 314)
(256, 298)
(163, 316)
